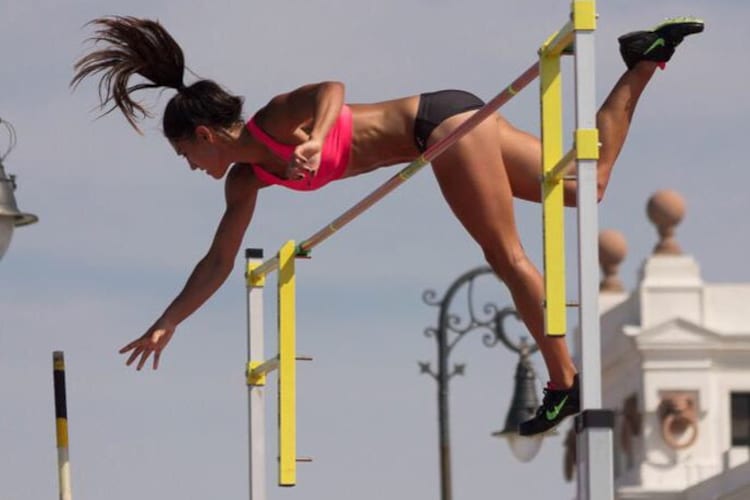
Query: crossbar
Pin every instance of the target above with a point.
(430, 154)
(406, 173)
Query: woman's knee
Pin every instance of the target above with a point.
(508, 261)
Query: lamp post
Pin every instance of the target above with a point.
(10, 216)
(450, 330)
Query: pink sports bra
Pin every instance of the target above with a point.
(334, 156)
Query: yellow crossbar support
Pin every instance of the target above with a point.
(287, 376)
(257, 371)
(586, 148)
(552, 192)
(587, 144)
(557, 42)
(562, 167)
(256, 275)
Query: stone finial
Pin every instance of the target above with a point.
(666, 209)
(612, 250)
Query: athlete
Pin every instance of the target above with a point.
(308, 137)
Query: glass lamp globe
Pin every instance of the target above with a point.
(6, 233)
(524, 448)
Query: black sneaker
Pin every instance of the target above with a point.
(657, 44)
(556, 405)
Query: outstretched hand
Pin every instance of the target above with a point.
(153, 341)
(305, 161)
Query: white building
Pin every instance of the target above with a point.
(676, 368)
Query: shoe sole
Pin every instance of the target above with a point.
(693, 22)
(685, 25)
(552, 431)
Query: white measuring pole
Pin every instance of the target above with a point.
(255, 393)
(593, 425)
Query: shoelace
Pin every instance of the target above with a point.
(547, 391)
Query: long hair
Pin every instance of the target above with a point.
(144, 47)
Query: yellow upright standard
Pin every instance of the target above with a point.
(552, 186)
(287, 384)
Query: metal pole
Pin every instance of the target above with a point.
(449, 323)
(593, 425)
(61, 427)
(255, 391)
(446, 473)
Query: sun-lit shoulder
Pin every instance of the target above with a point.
(287, 112)
(241, 182)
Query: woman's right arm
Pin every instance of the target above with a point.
(212, 270)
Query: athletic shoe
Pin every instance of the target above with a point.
(657, 44)
(556, 405)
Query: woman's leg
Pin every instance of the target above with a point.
(522, 152)
(474, 182)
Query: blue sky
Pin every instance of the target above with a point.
(122, 222)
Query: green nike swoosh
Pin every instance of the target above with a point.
(555, 411)
(658, 43)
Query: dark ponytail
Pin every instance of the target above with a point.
(144, 47)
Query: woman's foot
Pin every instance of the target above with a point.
(657, 44)
(556, 406)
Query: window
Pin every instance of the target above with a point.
(741, 419)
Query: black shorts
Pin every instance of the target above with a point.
(436, 107)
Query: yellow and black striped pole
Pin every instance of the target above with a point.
(61, 419)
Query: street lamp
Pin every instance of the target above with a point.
(523, 405)
(491, 322)
(10, 216)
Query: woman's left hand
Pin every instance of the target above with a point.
(305, 160)
(152, 342)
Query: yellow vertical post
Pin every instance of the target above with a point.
(287, 388)
(552, 195)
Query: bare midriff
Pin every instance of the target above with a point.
(383, 135)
